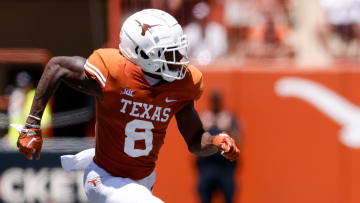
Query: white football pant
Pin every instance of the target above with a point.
(101, 187)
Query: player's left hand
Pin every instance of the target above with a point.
(224, 143)
(29, 140)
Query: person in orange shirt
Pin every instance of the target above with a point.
(138, 90)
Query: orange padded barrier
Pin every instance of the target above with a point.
(301, 137)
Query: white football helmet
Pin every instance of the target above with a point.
(147, 35)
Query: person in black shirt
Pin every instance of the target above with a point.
(215, 171)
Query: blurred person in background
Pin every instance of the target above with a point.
(20, 101)
(239, 16)
(138, 88)
(269, 34)
(208, 39)
(340, 32)
(216, 172)
(305, 17)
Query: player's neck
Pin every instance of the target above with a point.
(151, 80)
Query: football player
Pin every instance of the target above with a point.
(138, 88)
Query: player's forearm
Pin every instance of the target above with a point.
(204, 146)
(198, 141)
(48, 83)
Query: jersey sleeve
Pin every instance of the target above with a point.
(191, 87)
(96, 68)
(198, 85)
(199, 89)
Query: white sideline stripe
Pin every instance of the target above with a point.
(96, 70)
(97, 76)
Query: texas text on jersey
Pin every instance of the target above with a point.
(132, 119)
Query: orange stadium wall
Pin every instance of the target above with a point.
(301, 137)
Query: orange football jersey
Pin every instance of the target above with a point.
(132, 119)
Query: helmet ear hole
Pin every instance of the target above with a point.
(137, 49)
(142, 54)
(159, 53)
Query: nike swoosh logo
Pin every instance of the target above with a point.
(167, 100)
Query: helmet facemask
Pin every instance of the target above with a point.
(173, 59)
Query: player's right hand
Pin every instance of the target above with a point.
(224, 143)
(29, 140)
